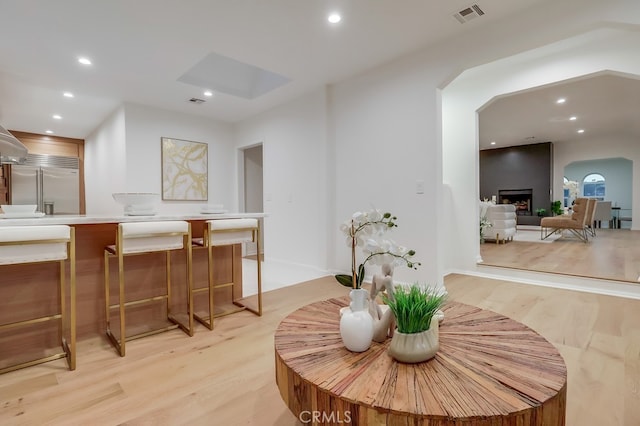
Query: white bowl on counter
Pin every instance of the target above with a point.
(213, 209)
(138, 203)
(14, 209)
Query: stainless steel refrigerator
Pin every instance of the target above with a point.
(51, 182)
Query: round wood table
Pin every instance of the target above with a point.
(490, 370)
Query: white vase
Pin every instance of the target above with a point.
(415, 347)
(356, 325)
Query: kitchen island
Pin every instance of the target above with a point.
(26, 290)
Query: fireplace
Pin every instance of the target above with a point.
(521, 198)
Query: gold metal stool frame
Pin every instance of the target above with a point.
(119, 251)
(206, 243)
(68, 346)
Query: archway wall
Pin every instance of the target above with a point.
(613, 147)
(606, 48)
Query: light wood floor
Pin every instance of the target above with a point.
(226, 376)
(612, 254)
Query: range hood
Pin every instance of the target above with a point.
(12, 151)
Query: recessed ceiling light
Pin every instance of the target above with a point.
(493, 143)
(48, 131)
(334, 18)
(208, 93)
(57, 117)
(581, 131)
(573, 118)
(561, 101)
(84, 61)
(67, 95)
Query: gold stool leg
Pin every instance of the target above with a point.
(72, 299)
(167, 259)
(211, 285)
(63, 311)
(259, 270)
(189, 261)
(123, 337)
(107, 277)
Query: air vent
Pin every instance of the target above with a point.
(41, 160)
(467, 14)
(197, 101)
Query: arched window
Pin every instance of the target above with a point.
(565, 192)
(593, 186)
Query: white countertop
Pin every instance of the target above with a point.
(94, 219)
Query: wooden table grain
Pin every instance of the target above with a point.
(490, 370)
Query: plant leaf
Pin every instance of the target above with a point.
(360, 275)
(345, 280)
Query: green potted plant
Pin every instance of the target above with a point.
(416, 309)
(541, 212)
(556, 208)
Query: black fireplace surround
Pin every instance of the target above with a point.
(519, 174)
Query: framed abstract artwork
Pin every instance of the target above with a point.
(185, 171)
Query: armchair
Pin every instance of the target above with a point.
(576, 223)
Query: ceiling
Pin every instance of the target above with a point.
(602, 104)
(140, 49)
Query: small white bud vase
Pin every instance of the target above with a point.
(415, 347)
(356, 325)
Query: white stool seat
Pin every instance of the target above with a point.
(145, 237)
(231, 231)
(27, 244)
(50, 243)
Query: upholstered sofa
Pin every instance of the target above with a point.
(503, 221)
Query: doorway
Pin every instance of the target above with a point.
(252, 191)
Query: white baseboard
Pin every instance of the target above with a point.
(589, 285)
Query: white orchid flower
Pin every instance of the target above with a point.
(359, 218)
(375, 215)
(365, 230)
(372, 246)
(401, 250)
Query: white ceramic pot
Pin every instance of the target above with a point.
(415, 347)
(356, 325)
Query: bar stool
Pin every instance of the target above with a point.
(138, 238)
(225, 232)
(38, 244)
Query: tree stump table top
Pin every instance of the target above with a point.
(490, 370)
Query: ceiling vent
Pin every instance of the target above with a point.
(465, 15)
(197, 101)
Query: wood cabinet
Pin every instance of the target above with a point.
(4, 184)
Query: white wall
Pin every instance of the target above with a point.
(105, 164)
(123, 155)
(146, 126)
(608, 48)
(595, 148)
(386, 138)
(383, 131)
(296, 182)
(367, 141)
